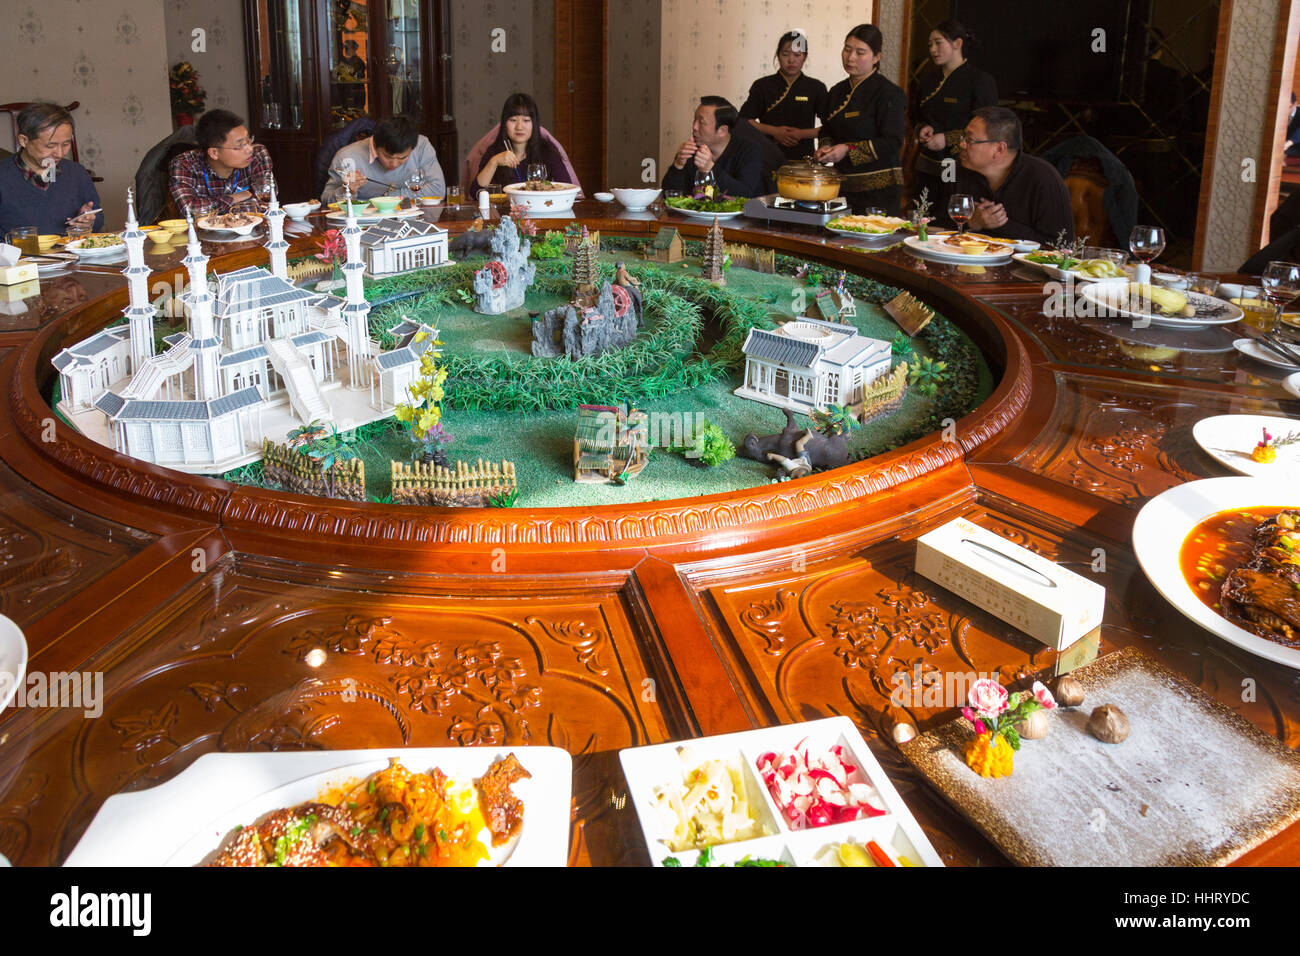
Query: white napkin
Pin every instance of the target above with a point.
(9, 254)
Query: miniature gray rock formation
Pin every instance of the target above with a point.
(583, 331)
(493, 292)
(794, 442)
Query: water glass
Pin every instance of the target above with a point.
(1205, 285)
(453, 196)
(24, 237)
(1257, 311)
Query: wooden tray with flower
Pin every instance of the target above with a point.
(1194, 783)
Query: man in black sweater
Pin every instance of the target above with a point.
(1017, 196)
(736, 162)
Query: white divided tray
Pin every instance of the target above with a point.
(649, 769)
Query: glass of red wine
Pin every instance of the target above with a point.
(1146, 243)
(960, 208)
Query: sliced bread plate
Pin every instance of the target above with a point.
(997, 252)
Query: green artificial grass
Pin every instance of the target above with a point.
(504, 404)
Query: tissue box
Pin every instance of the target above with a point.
(12, 275)
(1024, 589)
(20, 291)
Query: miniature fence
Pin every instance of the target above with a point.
(747, 257)
(303, 474)
(308, 268)
(885, 395)
(464, 486)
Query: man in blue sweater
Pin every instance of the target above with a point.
(39, 185)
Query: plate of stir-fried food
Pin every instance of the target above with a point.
(473, 806)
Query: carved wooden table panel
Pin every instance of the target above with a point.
(236, 619)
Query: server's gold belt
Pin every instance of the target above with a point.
(876, 179)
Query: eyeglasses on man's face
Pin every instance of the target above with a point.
(242, 145)
(966, 140)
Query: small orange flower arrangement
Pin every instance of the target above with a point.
(994, 714)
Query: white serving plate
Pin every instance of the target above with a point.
(647, 768)
(550, 201)
(105, 252)
(1056, 272)
(246, 230)
(1228, 439)
(13, 660)
(372, 215)
(181, 822)
(1251, 348)
(1099, 294)
(930, 249)
(870, 236)
(706, 216)
(1163, 525)
(1292, 384)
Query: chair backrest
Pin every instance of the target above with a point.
(1087, 185)
(13, 109)
(359, 128)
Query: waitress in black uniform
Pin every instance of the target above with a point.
(865, 125)
(946, 99)
(785, 105)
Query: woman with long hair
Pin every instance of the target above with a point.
(946, 98)
(865, 125)
(785, 105)
(519, 142)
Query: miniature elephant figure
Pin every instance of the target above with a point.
(794, 442)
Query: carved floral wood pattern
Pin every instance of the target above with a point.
(224, 660)
(1125, 443)
(272, 671)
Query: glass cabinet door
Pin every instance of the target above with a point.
(278, 64)
(402, 60)
(349, 57)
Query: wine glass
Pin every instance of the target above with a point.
(706, 184)
(413, 185)
(1146, 243)
(536, 172)
(960, 208)
(1281, 282)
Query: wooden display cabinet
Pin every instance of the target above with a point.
(315, 65)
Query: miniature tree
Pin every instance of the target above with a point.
(329, 452)
(927, 375)
(835, 421)
(712, 446)
(714, 253)
(423, 413)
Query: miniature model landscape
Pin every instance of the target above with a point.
(541, 370)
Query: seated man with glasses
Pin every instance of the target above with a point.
(227, 171)
(40, 185)
(1017, 196)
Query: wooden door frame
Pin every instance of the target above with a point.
(561, 76)
(1272, 138)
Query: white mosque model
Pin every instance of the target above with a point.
(258, 358)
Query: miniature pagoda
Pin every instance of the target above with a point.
(586, 272)
(713, 255)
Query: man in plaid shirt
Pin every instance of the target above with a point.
(225, 174)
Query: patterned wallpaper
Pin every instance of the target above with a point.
(1246, 119)
(221, 65)
(889, 17)
(722, 46)
(633, 96)
(111, 56)
(483, 79)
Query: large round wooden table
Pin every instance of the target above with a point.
(588, 629)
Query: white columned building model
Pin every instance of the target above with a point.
(258, 358)
(140, 312)
(277, 247)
